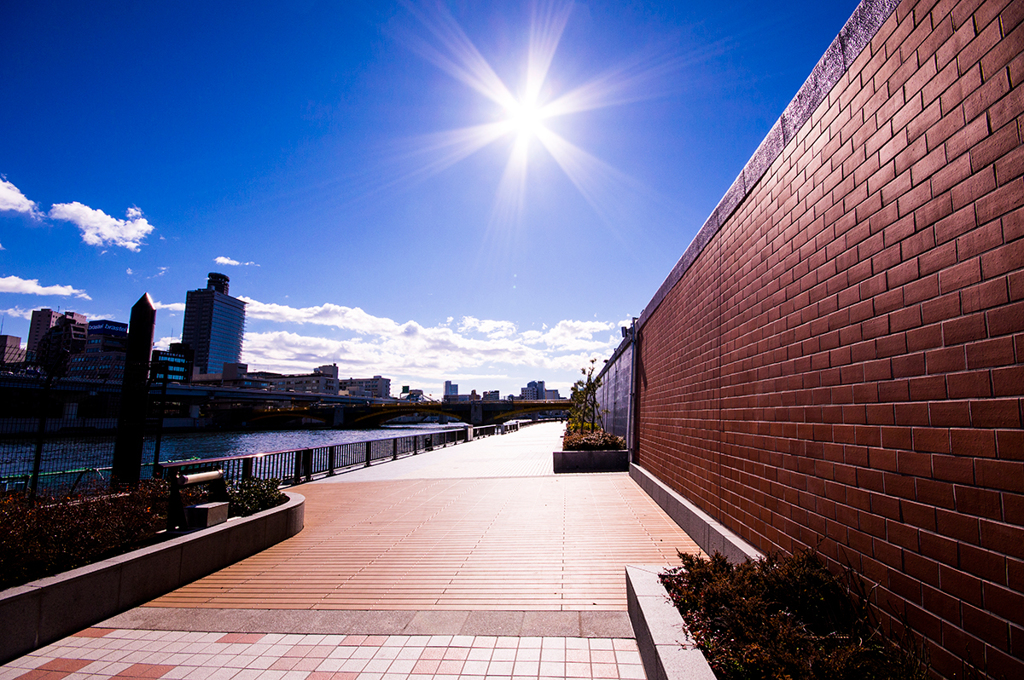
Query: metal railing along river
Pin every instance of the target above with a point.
(302, 465)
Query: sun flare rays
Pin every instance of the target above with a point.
(522, 114)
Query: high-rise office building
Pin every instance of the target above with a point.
(450, 388)
(214, 324)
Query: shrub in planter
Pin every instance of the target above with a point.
(598, 440)
(254, 495)
(57, 534)
(785, 617)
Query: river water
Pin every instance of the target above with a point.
(66, 453)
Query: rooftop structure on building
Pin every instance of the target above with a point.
(214, 325)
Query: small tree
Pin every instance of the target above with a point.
(584, 411)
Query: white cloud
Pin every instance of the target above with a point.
(129, 271)
(11, 199)
(13, 284)
(412, 351)
(233, 263)
(171, 306)
(100, 229)
(17, 312)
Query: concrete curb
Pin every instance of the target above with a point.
(707, 532)
(666, 648)
(40, 612)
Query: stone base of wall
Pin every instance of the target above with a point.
(704, 529)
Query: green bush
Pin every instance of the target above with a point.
(254, 495)
(57, 534)
(598, 440)
(784, 617)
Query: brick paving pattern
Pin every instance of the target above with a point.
(177, 655)
(516, 543)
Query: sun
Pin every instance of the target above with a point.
(524, 119)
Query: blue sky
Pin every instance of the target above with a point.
(474, 191)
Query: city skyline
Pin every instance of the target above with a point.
(477, 194)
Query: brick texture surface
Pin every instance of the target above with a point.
(843, 364)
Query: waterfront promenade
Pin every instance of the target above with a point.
(474, 560)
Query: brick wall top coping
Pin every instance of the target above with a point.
(855, 35)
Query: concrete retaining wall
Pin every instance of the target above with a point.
(40, 612)
(838, 359)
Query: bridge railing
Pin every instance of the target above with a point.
(302, 465)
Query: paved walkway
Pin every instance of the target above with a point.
(474, 560)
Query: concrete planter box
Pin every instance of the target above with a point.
(591, 461)
(38, 613)
(666, 648)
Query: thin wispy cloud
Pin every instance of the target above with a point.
(100, 229)
(14, 284)
(12, 200)
(229, 262)
(171, 306)
(17, 312)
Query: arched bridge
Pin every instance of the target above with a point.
(472, 412)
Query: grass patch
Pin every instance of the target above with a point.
(785, 617)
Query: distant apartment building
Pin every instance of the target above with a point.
(43, 320)
(323, 380)
(213, 325)
(103, 358)
(450, 388)
(376, 387)
(492, 395)
(552, 394)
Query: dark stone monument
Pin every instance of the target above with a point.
(131, 421)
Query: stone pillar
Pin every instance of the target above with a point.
(131, 422)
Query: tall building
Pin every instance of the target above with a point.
(450, 388)
(60, 342)
(213, 326)
(534, 390)
(43, 320)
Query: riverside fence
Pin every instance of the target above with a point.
(303, 465)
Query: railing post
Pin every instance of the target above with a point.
(394, 449)
(368, 453)
(331, 461)
(307, 463)
(297, 475)
(246, 468)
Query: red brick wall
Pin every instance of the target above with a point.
(843, 364)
